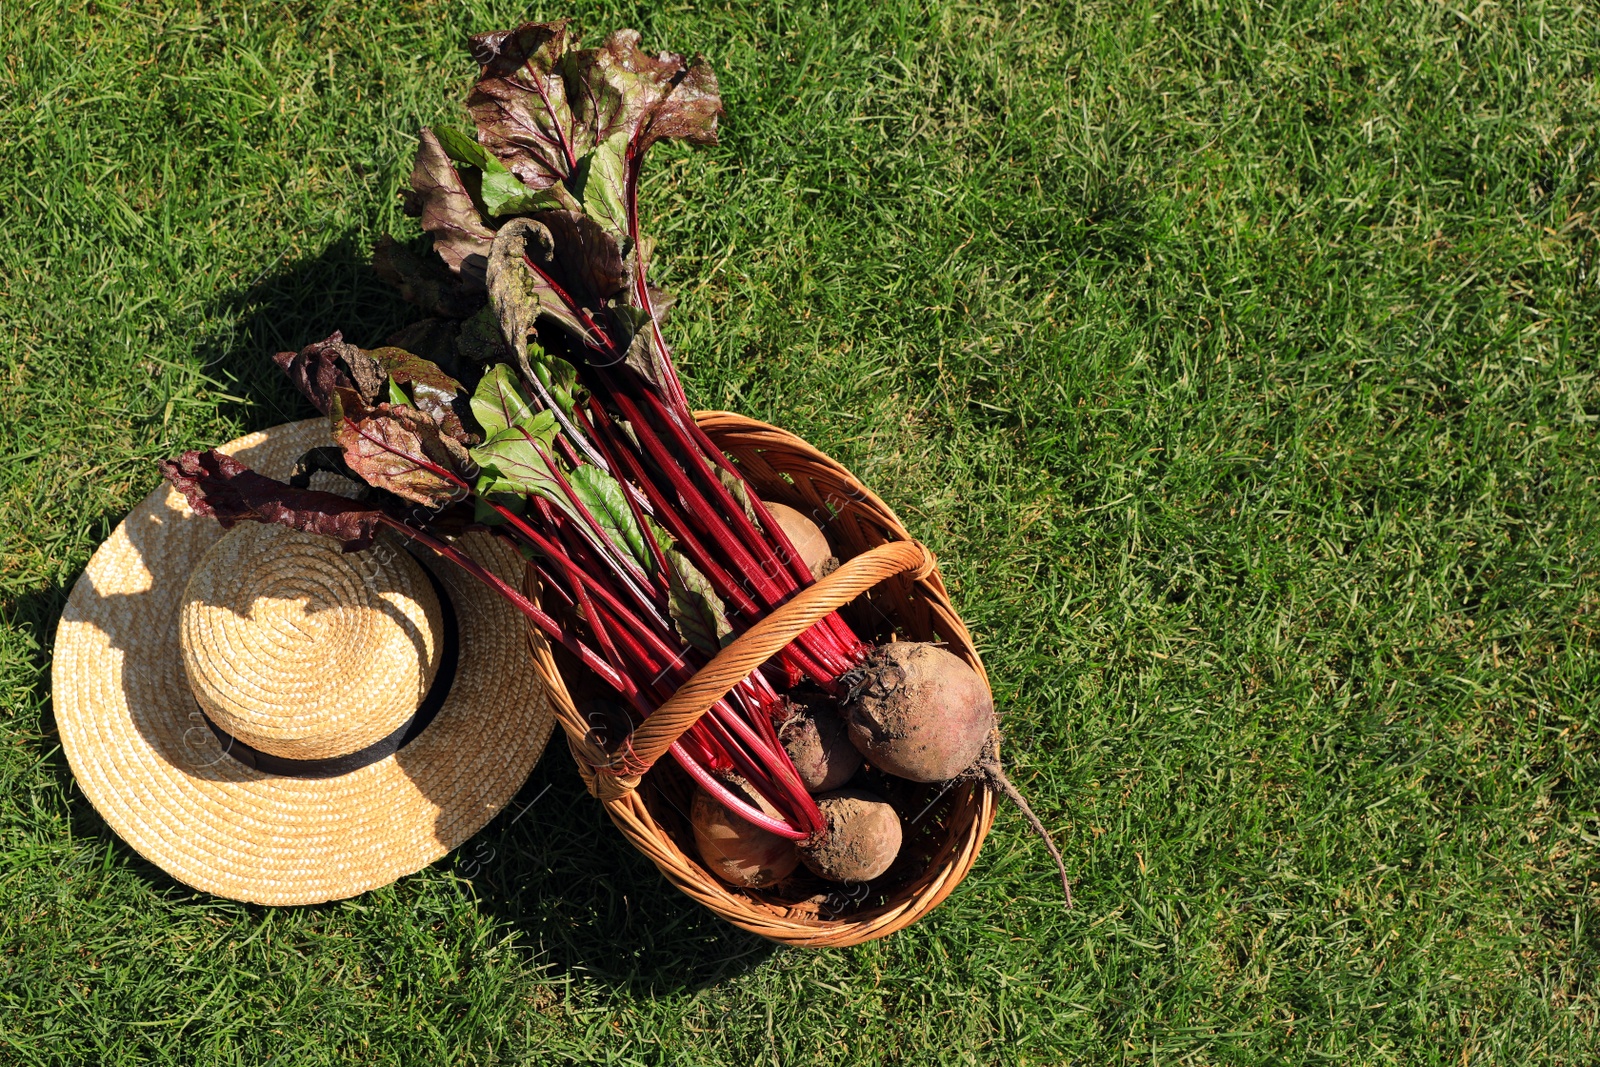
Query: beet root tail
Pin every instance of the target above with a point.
(990, 769)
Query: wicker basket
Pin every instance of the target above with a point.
(891, 580)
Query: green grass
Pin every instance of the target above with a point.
(1238, 361)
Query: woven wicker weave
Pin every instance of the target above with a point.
(891, 579)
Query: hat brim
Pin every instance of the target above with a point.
(143, 755)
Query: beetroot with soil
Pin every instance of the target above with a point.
(862, 840)
(816, 740)
(735, 851)
(918, 712)
(807, 538)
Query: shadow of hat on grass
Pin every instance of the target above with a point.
(550, 864)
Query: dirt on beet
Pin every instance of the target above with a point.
(816, 740)
(919, 712)
(863, 838)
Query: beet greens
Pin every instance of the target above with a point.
(540, 399)
(576, 439)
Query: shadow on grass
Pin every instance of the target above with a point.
(39, 612)
(551, 864)
(288, 306)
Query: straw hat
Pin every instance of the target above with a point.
(271, 720)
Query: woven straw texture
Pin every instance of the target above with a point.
(141, 752)
(270, 615)
(888, 581)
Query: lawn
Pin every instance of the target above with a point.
(1239, 361)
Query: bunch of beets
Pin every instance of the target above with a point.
(539, 399)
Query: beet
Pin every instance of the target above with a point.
(807, 538)
(816, 740)
(916, 711)
(735, 851)
(862, 841)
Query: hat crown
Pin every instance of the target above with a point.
(304, 652)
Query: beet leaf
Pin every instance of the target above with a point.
(220, 486)
(441, 198)
(399, 449)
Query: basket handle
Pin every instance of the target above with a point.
(762, 641)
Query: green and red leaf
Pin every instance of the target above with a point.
(399, 449)
(441, 199)
(520, 102)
